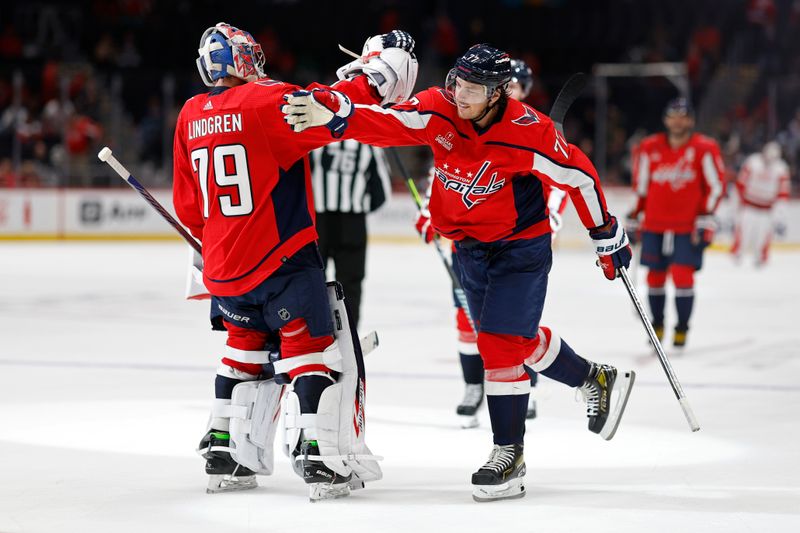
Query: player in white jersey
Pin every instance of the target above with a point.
(763, 188)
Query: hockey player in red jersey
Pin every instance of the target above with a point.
(518, 88)
(677, 177)
(762, 188)
(492, 155)
(242, 187)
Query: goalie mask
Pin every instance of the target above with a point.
(228, 51)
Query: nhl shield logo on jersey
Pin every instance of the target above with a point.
(527, 118)
(284, 314)
(469, 185)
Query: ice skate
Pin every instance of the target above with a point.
(323, 483)
(225, 474)
(468, 408)
(603, 410)
(501, 477)
(679, 339)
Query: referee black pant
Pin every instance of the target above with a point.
(343, 238)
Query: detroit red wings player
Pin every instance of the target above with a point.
(763, 188)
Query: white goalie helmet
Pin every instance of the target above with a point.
(228, 51)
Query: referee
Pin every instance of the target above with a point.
(350, 180)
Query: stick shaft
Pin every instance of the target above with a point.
(662, 357)
(133, 182)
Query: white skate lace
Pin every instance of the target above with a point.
(591, 395)
(473, 394)
(500, 459)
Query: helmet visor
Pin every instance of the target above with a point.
(466, 92)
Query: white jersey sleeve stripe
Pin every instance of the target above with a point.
(713, 180)
(573, 178)
(410, 119)
(643, 176)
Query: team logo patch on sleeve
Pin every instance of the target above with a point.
(527, 118)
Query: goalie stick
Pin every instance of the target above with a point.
(368, 342)
(572, 88)
(105, 155)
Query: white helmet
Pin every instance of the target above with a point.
(771, 151)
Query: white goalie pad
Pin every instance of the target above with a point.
(393, 72)
(195, 288)
(339, 424)
(253, 413)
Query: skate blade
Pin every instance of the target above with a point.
(622, 389)
(509, 490)
(218, 483)
(468, 421)
(327, 491)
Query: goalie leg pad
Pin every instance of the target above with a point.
(339, 424)
(253, 414)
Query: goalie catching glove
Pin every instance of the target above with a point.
(389, 62)
(611, 245)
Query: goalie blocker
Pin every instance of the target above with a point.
(328, 447)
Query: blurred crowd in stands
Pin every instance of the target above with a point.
(77, 75)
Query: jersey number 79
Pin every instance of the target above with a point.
(230, 170)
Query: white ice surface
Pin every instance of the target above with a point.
(106, 376)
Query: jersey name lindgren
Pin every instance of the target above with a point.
(227, 123)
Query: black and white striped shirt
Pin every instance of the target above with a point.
(349, 177)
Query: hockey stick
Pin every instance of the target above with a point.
(665, 364)
(458, 289)
(572, 88)
(105, 156)
(567, 95)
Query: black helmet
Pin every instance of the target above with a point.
(484, 65)
(680, 105)
(521, 73)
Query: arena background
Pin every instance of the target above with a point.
(106, 370)
(76, 76)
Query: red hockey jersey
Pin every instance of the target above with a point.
(488, 183)
(241, 181)
(676, 185)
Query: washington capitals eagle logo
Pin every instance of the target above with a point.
(472, 191)
(528, 118)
